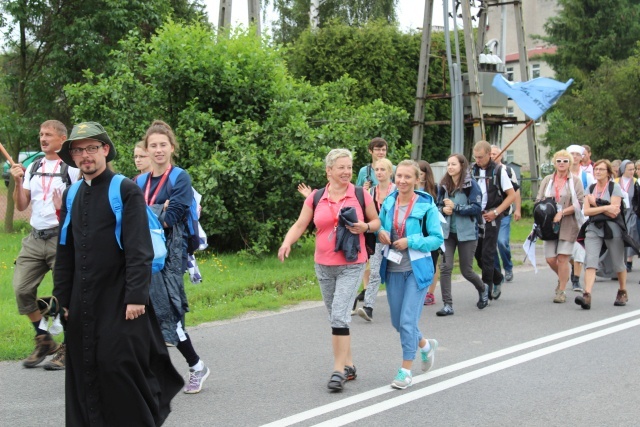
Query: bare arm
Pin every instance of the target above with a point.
(517, 213)
(21, 197)
(294, 233)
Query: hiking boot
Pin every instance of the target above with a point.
(447, 310)
(336, 382)
(196, 379)
(57, 363)
(629, 266)
(366, 313)
(497, 290)
(584, 300)
(621, 298)
(508, 276)
(428, 357)
(350, 373)
(483, 298)
(45, 345)
(430, 299)
(402, 380)
(561, 297)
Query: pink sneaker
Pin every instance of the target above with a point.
(430, 299)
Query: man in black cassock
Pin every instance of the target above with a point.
(118, 369)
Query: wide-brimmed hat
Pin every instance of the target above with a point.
(86, 130)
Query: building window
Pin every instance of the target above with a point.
(509, 157)
(510, 74)
(510, 113)
(535, 71)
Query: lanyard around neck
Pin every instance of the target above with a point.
(400, 227)
(165, 175)
(47, 187)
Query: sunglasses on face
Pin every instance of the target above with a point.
(562, 160)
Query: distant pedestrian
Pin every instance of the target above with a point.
(118, 369)
(141, 158)
(428, 184)
(587, 164)
(407, 267)
(504, 235)
(567, 193)
(631, 199)
(339, 279)
(603, 201)
(378, 148)
(461, 207)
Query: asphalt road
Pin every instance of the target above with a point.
(522, 361)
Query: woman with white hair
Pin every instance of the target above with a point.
(339, 279)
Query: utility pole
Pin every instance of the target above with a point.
(254, 15)
(423, 78)
(472, 70)
(224, 14)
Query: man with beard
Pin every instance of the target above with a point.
(40, 186)
(118, 368)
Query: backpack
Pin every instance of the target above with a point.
(369, 238)
(543, 213)
(63, 173)
(197, 238)
(115, 200)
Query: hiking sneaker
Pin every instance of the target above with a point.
(366, 313)
(584, 300)
(447, 310)
(57, 363)
(561, 297)
(402, 380)
(497, 290)
(359, 297)
(575, 284)
(508, 276)
(336, 382)
(196, 379)
(350, 373)
(621, 298)
(483, 299)
(45, 345)
(428, 357)
(629, 266)
(430, 299)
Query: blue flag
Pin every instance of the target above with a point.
(534, 97)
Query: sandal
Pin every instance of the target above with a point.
(336, 382)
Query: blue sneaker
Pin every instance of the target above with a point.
(428, 357)
(402, 380)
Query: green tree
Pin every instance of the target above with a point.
(588, 31)
(248, 131)
(384, 61)
(603, 113)
(294, 14)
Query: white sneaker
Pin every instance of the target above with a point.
(428, 357)
(402, 380)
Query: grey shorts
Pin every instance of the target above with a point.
(339, 285)
(592, 245)
(553, 248)
(578, 253)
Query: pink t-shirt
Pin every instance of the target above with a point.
(324, 220)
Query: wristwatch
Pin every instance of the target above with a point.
(495, 212)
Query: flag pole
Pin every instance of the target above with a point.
(515, 137)
(5, 154)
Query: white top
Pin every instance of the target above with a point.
(505, 184)
(588, 169)
(43, 213)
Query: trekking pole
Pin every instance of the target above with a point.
(5, 154)
(515, 137)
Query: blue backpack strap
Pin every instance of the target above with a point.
(71, 194)
(141, 179)
(584, 180)
(115, 200)
(173, 175)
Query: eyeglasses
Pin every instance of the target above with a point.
(562, 160)
(90, 149)
(600, 169)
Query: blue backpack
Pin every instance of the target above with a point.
(192, 218)
(115, 200)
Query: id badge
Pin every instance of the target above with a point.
(394, 256)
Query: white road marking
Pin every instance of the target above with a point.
(334, 406)
(470, 376)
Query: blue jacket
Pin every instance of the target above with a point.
(420, 247)
(466, 211)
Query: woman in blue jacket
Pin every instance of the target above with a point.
(407, 268)
(461, 208)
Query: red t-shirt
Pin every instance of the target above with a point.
(324, 220)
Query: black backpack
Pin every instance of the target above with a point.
(543, 213)
(369, 238)
(63, 173)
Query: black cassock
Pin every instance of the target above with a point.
(118, 372)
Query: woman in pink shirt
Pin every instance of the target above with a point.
(338, 278)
